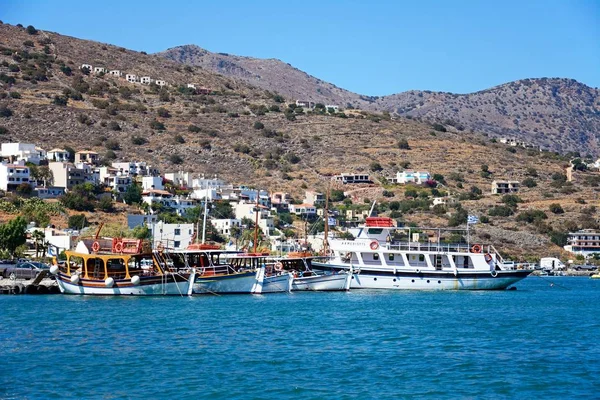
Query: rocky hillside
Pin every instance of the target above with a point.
(557, 114)
(248, 135)
(269, 74)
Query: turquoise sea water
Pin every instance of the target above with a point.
(540, 341)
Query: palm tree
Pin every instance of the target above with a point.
(38, 236)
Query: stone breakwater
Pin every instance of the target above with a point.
(28, 286)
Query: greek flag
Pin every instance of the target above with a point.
(52, 251)
(331, 221)
(472, 219)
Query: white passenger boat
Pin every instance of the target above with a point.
(119, 267)
(383, 256)
(307, 279)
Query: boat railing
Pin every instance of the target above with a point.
(440, 247)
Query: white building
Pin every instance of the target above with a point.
(410, 176)
(87, 66)
(332, 106)
(443, 201)
(116, 72)
(51, 192)
(303, 209)
(191, 86)
(313, 198)
(114, 179)
(58, 155)
(135, 168)
(351, 178)
(211, 194)
(145, 80)
(26, 152)
(152, 182)
(248, 210)
(585, 242)
(179, 204)
(223, 226)
(87, 156)
(13, 175)
(180, 178)
(131, 78)
(172, 236)
(305, 104)
(210, 183)
(99, 70)
(160, 82)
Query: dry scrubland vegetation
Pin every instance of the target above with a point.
(558, 114)
(247, 135)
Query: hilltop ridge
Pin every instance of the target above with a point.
(556, 113)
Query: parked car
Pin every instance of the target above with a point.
(584, 267)
(25, 270)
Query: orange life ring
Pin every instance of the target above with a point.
(374, 245)
(488, 257)
(95, 246)
(119, 247)
(476, 248)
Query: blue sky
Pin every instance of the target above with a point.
(373, 48)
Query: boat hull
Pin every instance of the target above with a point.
(430, 280)
(239, 283)
(152, 286)
(278, 283)
(322, 283)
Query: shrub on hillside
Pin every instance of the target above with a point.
(157, 125)
(258, 125)
(31, 30)
(194, 128)
(77, 221)
(112, 144)
(500, 211)
(529, 182)
(5, 112)
(179, 139)
(175, 159)
(163, 112)
(403, 144)
(138, 141)
(439, 128)
(555, 208)
(531, 216)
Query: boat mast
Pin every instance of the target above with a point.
(256, 221)
(204, 221)
(326, 219)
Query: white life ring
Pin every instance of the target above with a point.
(278, 266)
(494, 273)
(374, 245)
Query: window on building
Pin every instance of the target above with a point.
(177, 232)
(177, 243)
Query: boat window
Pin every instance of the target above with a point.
(421, 257)
(374, 231)
(375, 256)
(391, 257)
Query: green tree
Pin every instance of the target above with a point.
(12, 234)
(133, 194)
(77, 221)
